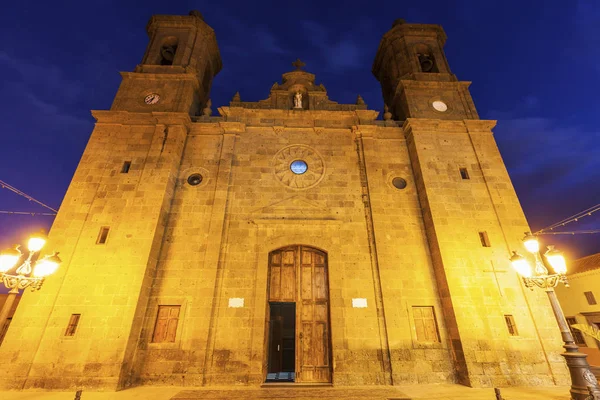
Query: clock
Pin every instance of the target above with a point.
(152, 98)
(440, 106)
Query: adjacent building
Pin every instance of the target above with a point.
(581, 303)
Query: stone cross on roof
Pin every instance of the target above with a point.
(298, 64)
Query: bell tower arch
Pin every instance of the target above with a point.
(176, 73)
(415, 77)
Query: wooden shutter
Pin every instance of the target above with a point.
(511, 325)
(165, 329)
(72, 327)
(425, 324)
(590, 298)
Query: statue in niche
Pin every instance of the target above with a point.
(298, 100)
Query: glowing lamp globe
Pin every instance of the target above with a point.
(556, 260)
(531, 243)
(8, 259)
(37, 241)
(46, 266)
(521, 265)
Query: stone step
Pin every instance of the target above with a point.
(297, 393)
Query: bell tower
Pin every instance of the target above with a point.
(415, 78)
(177, 70)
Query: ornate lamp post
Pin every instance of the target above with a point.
(30, 273)
(581, 376)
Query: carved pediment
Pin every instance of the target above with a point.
(298, 91)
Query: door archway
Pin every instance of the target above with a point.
(299, 334)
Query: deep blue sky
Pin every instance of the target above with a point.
(535, 66)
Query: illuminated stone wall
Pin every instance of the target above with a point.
(385, 200)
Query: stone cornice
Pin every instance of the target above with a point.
(138, 118)
(480, 125)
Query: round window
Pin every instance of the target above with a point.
(399, 183)
(194, 179)
(298, 167)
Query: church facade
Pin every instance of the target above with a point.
(293, 239)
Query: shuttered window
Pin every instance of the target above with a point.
(425, 324)
(72, 326)
(590, 298)
(166, 324)
(511, 325)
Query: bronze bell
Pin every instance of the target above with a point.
(426, 62)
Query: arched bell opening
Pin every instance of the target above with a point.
(168, 49)
(425, 58)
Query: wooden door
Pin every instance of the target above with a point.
(314, 356)
(310, 292)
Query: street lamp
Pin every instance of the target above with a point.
(31, 273)
(581, 376)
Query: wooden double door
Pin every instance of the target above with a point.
(299, 328)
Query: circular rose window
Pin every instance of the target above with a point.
(298, 167)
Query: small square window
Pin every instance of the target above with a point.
(103, 235)
(72, 327)
(126, 166)
(464, 173)
(485, 241)
(590, 298)
(511, 325)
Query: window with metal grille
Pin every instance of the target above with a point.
(485, 241)
(72, 327)
(166, 324)
(511, 325)
(425, 324)
(590, 298)
(103, 235)
(577, 335)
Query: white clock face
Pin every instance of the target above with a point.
(152, 98)
(439, 106)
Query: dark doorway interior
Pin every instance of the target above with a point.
(282, 342)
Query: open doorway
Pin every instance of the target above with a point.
(282, 342)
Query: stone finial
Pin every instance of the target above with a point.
(197, 14)
(236, 97)
(387, 115)
(206, 111)
(399, 21)
(298, 64)
(360, 101)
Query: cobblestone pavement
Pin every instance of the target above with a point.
(413, 392)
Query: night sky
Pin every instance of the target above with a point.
(535, 67)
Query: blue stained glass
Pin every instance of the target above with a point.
(298, 167)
